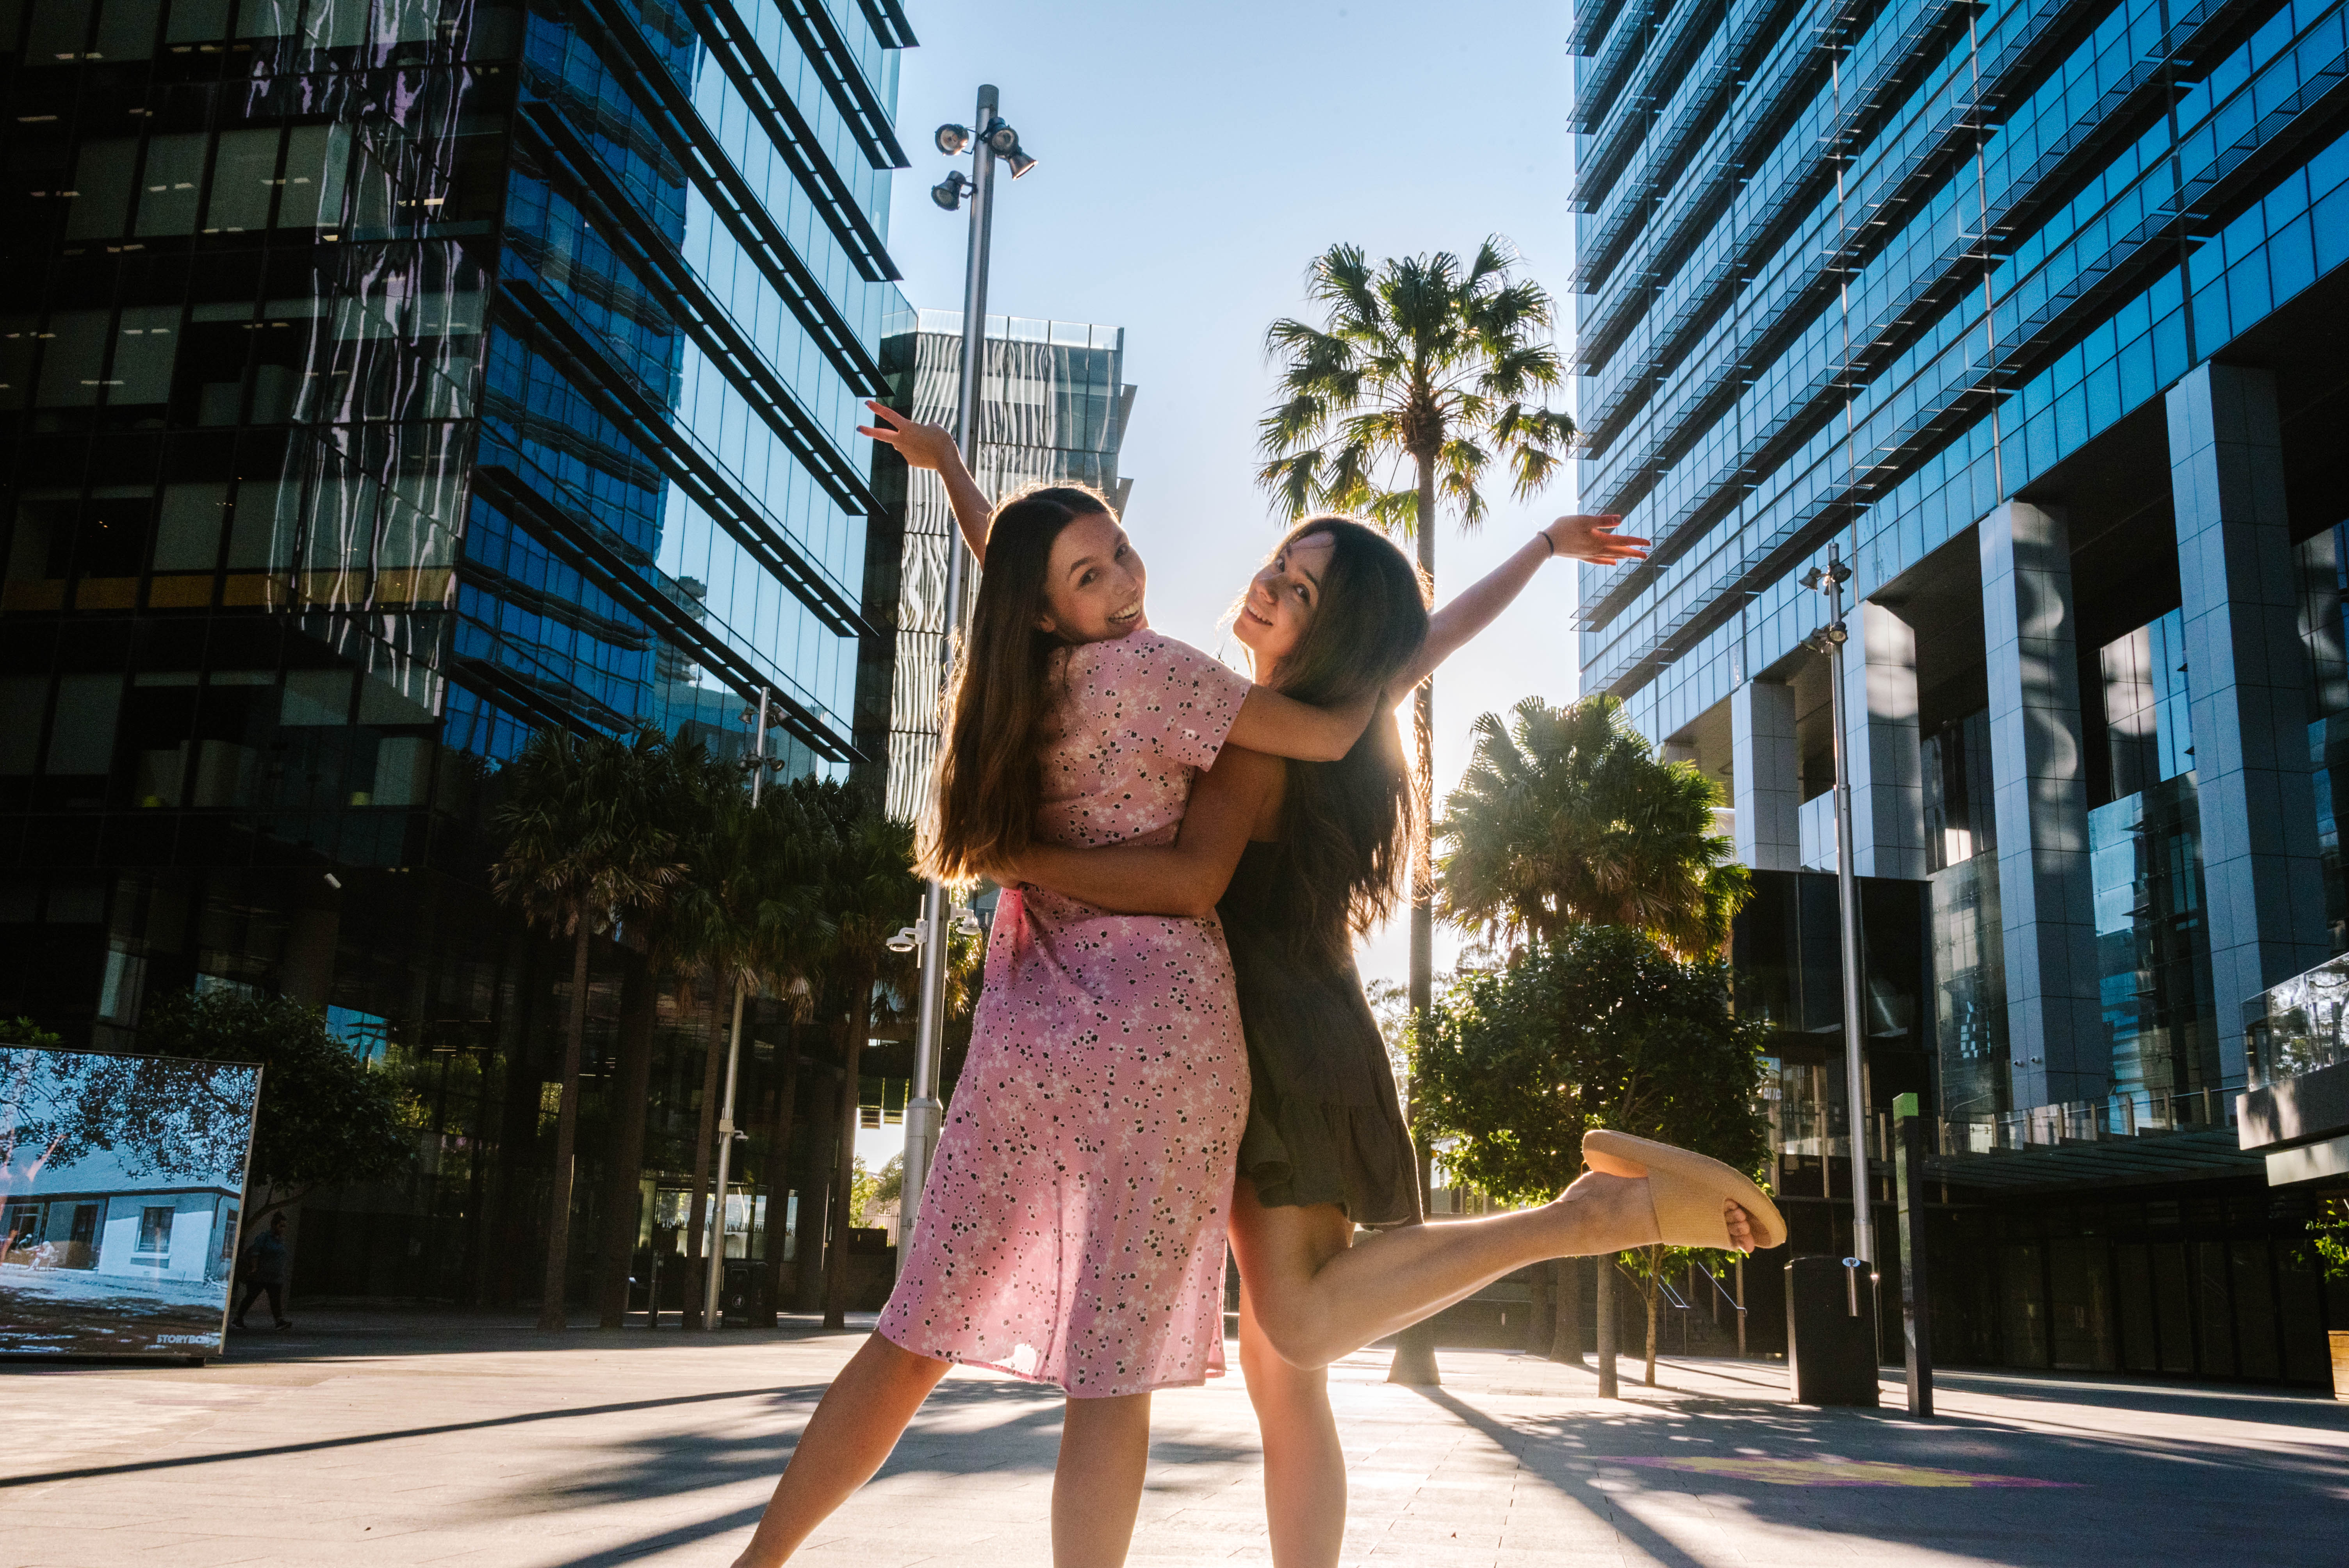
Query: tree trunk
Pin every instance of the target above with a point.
(1565, 1342)
(815, 1202)
(778, 1162)
(517, 1144)
(1540, 1321)
(844, 1174)
(1655, 1278)
(552, 1315)
(1604, 1306)
(1415, 1357)
(696, 1224)
(623, 1199)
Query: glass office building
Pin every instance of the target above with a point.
(2031, 311)
(381, 381)
(1054, 411)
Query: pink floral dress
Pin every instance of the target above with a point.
(1071, 1230)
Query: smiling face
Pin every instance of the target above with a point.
(1093, 584)
(1280, 604)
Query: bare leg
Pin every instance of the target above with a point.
(1097, 1488)
(1315, 1307)
(1304, 1464)
(860, 1419)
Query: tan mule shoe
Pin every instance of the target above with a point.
(1687, 1191)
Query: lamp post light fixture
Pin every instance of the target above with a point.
(1830, 640)
(714, 1256)
(993, 141)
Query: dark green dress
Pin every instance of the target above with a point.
(1324, 1123)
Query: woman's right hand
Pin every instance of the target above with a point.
(1585, 537)
(922, 445)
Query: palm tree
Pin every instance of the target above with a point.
(585, 845)
(1425, 366)
(865, 891)
(691, 795)
(1566, 818)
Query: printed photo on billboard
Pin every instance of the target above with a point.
(120, 1182)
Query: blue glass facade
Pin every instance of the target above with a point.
(2023, 308)
(380, 381)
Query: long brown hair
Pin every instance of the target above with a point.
(990, 771)
(1347, 828)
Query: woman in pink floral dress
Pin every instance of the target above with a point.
(1074, 1231)
(1073, 1227)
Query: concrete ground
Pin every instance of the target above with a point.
(362, 1438)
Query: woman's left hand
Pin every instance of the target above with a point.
(1591, 537)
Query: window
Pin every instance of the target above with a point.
(245, 177)
(154, 1231)
(143, 349)
(187, 528)
(172, 180)
(101, 193)
(73, 359)
(81, 742)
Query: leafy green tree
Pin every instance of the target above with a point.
(586, 844)
(324, 1115)
(1423, 373)
(1601, 1027)
(1567, 818)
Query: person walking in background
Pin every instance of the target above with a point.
(266, 1260)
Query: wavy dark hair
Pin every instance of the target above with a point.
(1348, 827)
(989, 778)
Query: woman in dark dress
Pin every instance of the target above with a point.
(1298, 858)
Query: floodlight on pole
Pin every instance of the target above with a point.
(1830, 640)
(924, 1111)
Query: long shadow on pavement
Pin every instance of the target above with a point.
(2210, 1495)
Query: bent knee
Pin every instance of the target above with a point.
(1300, 1345)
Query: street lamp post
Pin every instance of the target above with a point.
(989, 141)
(716, 1249)
(1830, 640)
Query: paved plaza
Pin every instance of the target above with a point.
(395, 1440)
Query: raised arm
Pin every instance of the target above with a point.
(1284, 726)
(1580, 537)
(930, 446)
(1183, 878)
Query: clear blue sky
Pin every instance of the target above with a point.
(1194, 158)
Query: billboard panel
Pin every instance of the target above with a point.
(121, 1180)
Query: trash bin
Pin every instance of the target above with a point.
(1830, 1332)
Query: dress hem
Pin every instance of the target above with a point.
(953, 1360)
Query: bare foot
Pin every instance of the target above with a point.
(1609, 1214)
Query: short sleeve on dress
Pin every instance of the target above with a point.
(1165, 696)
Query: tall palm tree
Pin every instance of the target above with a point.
(865, 891)
(1424, 367)
(1567, 818)
(670, 941)
(585, 845)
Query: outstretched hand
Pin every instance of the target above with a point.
(922, 445)
(1593, 538)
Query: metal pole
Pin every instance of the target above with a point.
(1916, 1305)
(1863, 1238)
(923, 1111)
(716, 1251)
